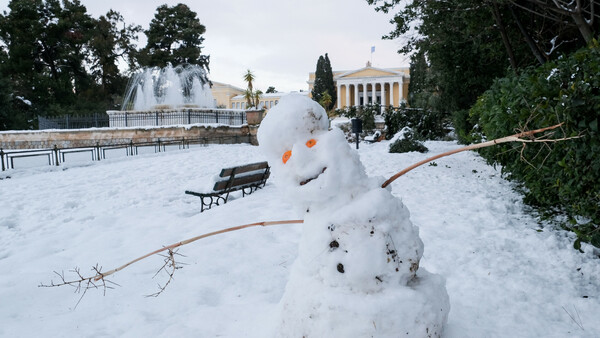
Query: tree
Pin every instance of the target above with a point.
(462, 45)
(319, 84)
(249, 77)
(326, 100)
(252, 97)
(330, 87)
(112, 40)
(46, 43)
(59, 60)
(324, 82)
(257, 95)
(271, 89)
(174, 37)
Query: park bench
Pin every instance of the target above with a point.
(247, 178)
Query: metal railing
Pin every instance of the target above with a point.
(175, 117)
(73, 122)
(141, 119)
(55, 156)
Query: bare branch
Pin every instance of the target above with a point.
(519, 137)
(99, 280)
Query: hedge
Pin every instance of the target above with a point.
(562, 177)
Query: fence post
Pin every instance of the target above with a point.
(125, 119)
(217, 116)
(189, 117)
(67, 120)
(159, 145)
(156, 118)
(131, 145)
(2, 158)
(56, 155)
(98, 151)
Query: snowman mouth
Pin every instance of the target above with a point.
(313, 178)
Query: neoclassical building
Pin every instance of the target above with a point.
(232, 97)
(387, 86)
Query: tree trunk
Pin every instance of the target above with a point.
(505, 40)
(530, 42)
(582, 25)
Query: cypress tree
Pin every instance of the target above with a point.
(319, 85)
(328, 82)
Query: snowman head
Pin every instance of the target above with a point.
(313, 164)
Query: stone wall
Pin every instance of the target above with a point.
(44, 139)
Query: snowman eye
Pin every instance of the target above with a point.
(311, 143)
(286, 156)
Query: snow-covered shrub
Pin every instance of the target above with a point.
(566, 175)
(428, 124)
(404, 141)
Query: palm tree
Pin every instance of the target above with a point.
(257, 95)
(326, 100)
(249, 96)
(249, 77)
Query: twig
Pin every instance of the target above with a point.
(513, 138)
(85, 283)
(579, 323)
(170, 263)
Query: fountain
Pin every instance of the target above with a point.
(171, 96)
(168, 88)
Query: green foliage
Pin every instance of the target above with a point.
(174, 37)
(457, 50)
(325, 100)
(324, 82)
(407, 143)
(58, 60)
(365, 113)
(270, 90)
(427, 124)
(564, 176)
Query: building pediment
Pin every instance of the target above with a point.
(368, 72)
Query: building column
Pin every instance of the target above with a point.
(383, 100)
(392, 93)
(374, 92)
(347, 95)
(400, 91)
(339, 96)
(364, 93)
(356, 101)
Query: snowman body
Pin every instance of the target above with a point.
(357, 272)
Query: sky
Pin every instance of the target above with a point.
(280, 41)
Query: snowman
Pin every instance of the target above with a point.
(357, 272)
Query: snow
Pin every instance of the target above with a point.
(506, 274)
(24, 100)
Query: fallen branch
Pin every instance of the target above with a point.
(85, 283)
(512, 138)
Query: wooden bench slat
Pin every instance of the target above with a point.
(243, 169)
(240, 181)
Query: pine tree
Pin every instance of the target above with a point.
(324, 82)
(175, 37)
(330, 87)
(319, 84)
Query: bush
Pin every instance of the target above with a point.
(365, 113)
(407, 143)
(564, 176)
(427, 124)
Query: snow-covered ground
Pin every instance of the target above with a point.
(507, 275)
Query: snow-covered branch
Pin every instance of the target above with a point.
(523, 137)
